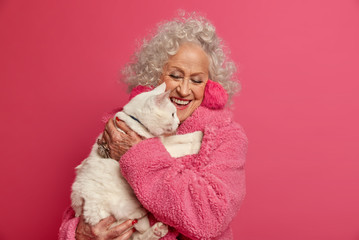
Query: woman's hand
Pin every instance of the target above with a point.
(118, 142)
(101, 230)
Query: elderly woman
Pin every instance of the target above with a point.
(197, 195)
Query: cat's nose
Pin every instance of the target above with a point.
(171, 129)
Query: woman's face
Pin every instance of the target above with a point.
(186, 75)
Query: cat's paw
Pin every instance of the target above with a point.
(160, 229)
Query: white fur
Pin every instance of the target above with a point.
(100, 190)
(181, 145)
(154, 110)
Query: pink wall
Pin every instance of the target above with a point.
(299, 65)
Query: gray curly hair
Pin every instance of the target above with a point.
(148, 61)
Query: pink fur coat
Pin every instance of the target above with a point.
(196, 195)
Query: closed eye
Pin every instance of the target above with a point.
(175, 76)
(196, 81)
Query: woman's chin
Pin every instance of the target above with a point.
(184, 111)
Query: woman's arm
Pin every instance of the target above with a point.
(198, 194)
(68, 226)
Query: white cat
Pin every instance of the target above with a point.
(100, 190)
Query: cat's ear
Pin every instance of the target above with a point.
(162, 98)
(160, 89)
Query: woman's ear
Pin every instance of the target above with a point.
(215, 96)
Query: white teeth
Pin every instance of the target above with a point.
(181, 102)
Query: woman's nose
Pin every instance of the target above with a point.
(183, 88)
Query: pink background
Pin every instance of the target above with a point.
(299, 61)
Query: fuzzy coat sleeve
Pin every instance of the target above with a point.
(199, 194)
(68, 226)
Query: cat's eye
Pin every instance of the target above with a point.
(173, 114)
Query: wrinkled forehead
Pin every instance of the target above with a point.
(190, 58)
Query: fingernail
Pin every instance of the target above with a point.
(117, 119)
(134, 222)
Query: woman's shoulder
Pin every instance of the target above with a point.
(214, 116)
(205, 118)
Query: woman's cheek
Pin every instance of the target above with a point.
(170, 84)
(199, 92)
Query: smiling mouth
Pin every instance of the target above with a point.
(180, 103)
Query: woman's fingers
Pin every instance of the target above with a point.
(106, 222)
(118, 142)
(126, 235)
(111, 129)
(84, 230)
(122, 125)
(106, 138)
(103, 231)
(122, 231)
